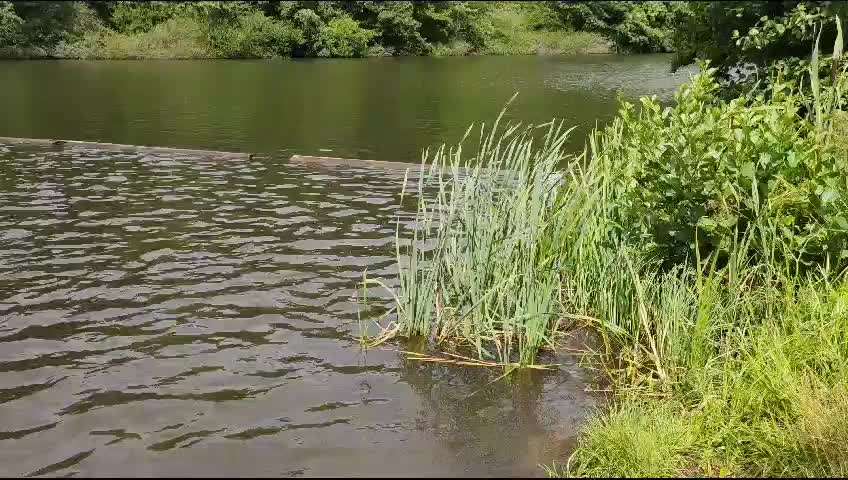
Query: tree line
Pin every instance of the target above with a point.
(726, 33)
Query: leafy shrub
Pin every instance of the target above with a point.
(45, 24)
(711, 168)
(309, 24)
(455, 48)
(253, 36)
(471, 24)
(399, 29)
(44, 29)
(647, 27)
(378, 50)
(10, 24)
(728, 34)
(631, 26)
(343, 37)
(138, 17)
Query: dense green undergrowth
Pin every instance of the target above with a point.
(727, 345)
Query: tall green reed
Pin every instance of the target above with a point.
(482, 269)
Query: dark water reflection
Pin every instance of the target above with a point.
(380, 108)
(186, 315)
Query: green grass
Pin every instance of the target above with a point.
(634, 439)
(765, 396)
(514, 35)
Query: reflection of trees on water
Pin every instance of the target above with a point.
(494, 423)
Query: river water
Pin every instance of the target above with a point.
(182, 314)
(378, 108)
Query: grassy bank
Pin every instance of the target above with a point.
(706, 243)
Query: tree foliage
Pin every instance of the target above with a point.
(10, 24)
(48, 23)
(136, 17)
(730, 34)
(255, 28)
(726, 33)
(639, 27)
(343, 37)
(710, 167)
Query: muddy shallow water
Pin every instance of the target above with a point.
(187, 315)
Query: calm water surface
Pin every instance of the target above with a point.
(380, 108)
(188, 315)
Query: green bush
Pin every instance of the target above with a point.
(253, 36)
(446, 22)
(309, 25)
(138, 17)
(44, 29)
(472, 25)
(45, 24)
(632, 26)
(647, 27)
(730, 368)
(711, 168)
(728, 34)
(10, 25)
(343, 37)
(400, 30)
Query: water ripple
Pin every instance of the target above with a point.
(152, 304)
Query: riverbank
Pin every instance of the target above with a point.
(182, 31)
(179, 42)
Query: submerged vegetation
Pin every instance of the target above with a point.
(705, 242)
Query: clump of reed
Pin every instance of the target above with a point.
(482, 270)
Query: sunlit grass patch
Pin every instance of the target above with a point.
(634, 439)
